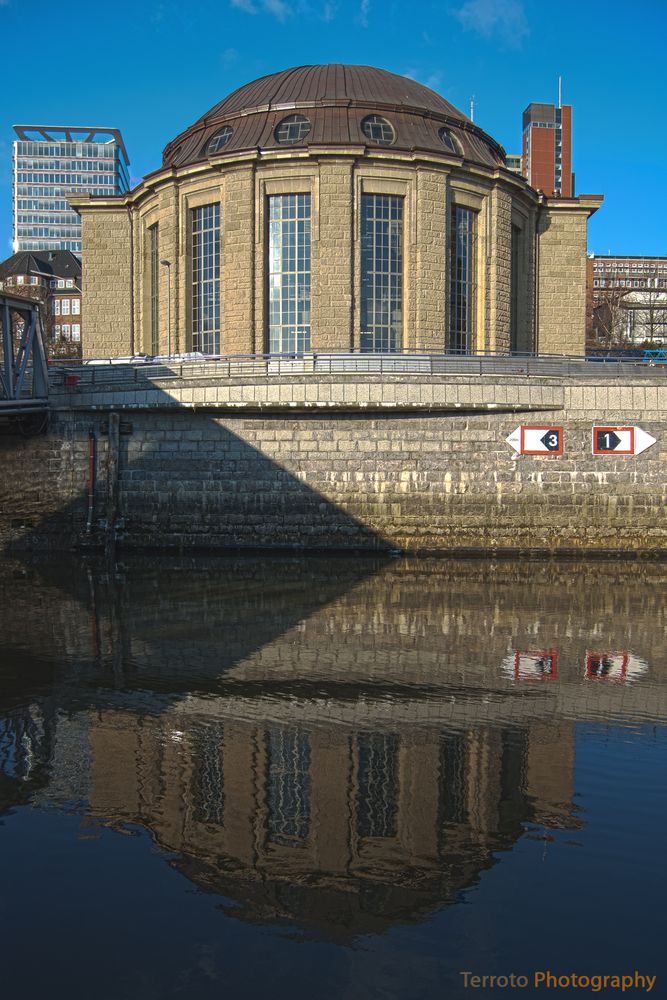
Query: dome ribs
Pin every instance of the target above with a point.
(335, 98)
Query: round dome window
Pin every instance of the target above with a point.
(292, 129)
(220, 139)
(448, 141)
(379, 130)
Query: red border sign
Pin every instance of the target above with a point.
(598, 658)
(614, 451)
(542, 451)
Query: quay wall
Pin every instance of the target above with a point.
(413, 464)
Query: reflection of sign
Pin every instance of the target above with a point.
(607, 666)
(543, 440)
(620, 440)
(617, 668)
(541, 665)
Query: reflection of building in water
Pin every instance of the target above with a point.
(44, 756)
(24, 751)
(359, 747)
(327, 824)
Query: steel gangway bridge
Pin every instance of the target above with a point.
(24, 377)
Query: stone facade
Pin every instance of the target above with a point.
(561, 278)
(528, 268)
(411, 464)
(107, 304)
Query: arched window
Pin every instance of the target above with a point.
(381, 272)
(292, 129)
(205, 225)
(154, 287)
(379, 130)
(462, 280)
(289, 273)
(220, 139)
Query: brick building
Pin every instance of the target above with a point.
(547, 149)
(52, 278)
(334, 208)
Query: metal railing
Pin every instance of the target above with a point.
(140, 372)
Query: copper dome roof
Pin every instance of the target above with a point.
(335, 99)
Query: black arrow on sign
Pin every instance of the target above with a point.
(551, 440)
(607, 441)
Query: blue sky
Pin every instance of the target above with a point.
(151, 67)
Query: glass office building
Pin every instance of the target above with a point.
(49, 162)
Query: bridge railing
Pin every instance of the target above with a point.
(139, 370)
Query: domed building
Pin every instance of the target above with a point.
(333, 208)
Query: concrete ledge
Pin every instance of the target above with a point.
(345, 393)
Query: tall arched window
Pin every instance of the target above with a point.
(154, 287)
(515, 286)
(206, 279)
(462, 280)
(381, 272)
(289, 273)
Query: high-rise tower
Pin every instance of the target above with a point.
(48, 163)
(547, 149)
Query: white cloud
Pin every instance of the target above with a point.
(504, 18)
(278, 8)
(323, 10)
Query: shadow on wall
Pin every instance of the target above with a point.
(178, 479)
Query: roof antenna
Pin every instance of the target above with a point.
(560, 91)
(472, 108)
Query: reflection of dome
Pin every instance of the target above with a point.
(336, 102)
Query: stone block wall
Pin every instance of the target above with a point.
(107, 283)
(432, 255)
(500, 258)
(561, 276)
(237, 274)
(332, 278)
(351, 476)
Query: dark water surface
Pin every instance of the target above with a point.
(329, 778)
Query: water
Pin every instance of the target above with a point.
(334, 778)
